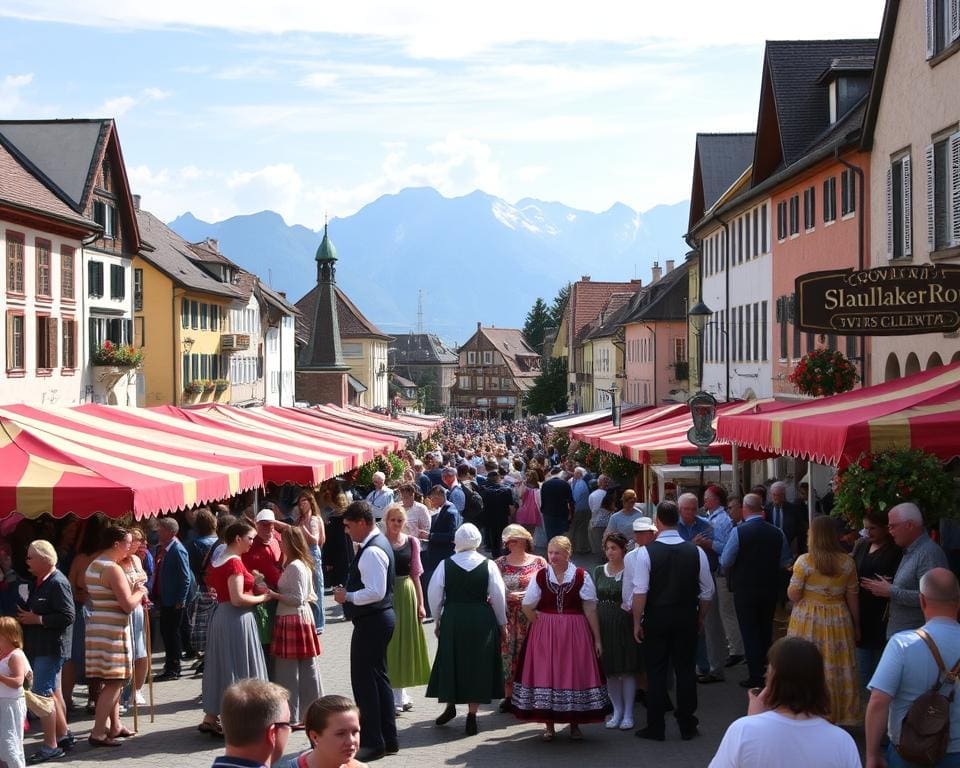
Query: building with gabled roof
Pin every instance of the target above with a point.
(427, 361)
(495, 368)
(606, 349)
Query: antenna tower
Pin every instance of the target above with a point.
(420, 311)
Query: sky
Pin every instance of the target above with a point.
(316, 108)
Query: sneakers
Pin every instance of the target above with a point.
(613, 722)
(140, 698)
(45, 753)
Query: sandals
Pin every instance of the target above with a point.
(123, 733)
(548, 735)
(106, 741)
(575, 733)
(211, 729)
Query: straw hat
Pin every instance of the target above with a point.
(515, 531)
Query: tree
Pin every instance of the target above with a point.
(536, 324)
(549, 391)
(559, 305)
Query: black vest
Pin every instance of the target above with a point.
(355, 582)
(674, 576)
(756, 571)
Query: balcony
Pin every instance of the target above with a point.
(234, 342)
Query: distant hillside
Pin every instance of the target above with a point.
(476, 258)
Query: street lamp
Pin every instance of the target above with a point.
(697, 316)
(614, 410)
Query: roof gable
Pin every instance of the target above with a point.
(352, 322)
(887, 31)
(588, 298)
(719, 160)
(665, 299)
(409, 348)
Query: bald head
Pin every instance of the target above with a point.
(752, 505)
(939, 585)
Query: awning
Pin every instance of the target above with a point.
(55, 461)
(570, 420)
(664, 441)
(919, 411)
(415, 419)
(597, 434)
(356, 385)
(368, 420)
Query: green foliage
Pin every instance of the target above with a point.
(559, 304)
(559, 438)
(879, 481)
(549, 391)
(536, 324)
(619, 468)
(397, 465)
(379, 464)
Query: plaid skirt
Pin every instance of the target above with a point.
(295, 638)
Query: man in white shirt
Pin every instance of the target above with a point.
(367, 600)
(380, 497)
(672, 589)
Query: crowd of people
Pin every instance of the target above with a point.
(480, 536)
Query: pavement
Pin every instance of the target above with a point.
(172, 740)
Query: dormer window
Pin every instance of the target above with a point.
(845, 92)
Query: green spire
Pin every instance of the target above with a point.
(326, 251)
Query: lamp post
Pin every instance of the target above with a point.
(697, 317)
(614, 410)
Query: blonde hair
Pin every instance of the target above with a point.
(561, 542)
(11, 632)
(629, 495)
(295, 544)
(395, 508)
(826, 554)
(45, 549)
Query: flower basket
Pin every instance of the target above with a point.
(220, 385)
(824, 372)
(209, 386)
(119, 355)
(193, 388)
(879, 481)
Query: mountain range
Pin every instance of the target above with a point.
(475, 257)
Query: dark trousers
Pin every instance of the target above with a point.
(368, 677)
(670, 637)
(755, 617)
(554, 525)
(185, 629)
(170, 620)
(493, 533)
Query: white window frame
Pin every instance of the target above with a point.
(951, 191)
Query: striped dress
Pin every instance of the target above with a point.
(108, 628)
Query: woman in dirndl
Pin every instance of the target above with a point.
(311, 523)
(408, 664)
(560, 679)
(296, 645)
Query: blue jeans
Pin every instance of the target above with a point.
(950, 760)
(318, 617)
(867, 660)
(46, 673)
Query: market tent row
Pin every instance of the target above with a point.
(918, 411)
(570, 420)
(404, 417)
(597, 434)
(98, 458)
(369, 420)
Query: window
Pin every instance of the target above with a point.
(943, 193)
(781, 221)
(848, 189)
(464, 382)
(95, 279)
(116, 330)
(106, 216)
(15, 243)
(194, 314)
(68, 341)
(756, 233)
(899, 209)
(763, 331)
(830, 199)
(194, 367)
(809, 208)
(943, 25)
(46, 342)
(680, 350)
(487, 357)
(67, 272)
(16, 352)
(42, 253)
(118, 282)
(782, 315)
(795, 215)
(203, 317)
(471, 358)
(185, 370)
(763, 228)
(796, 327)
(214, 317)
(352, 349)
(184, 313)
(138, 290)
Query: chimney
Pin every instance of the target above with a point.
(637, 282)
(283, 294)
(656, 272)
(136, 202)
(669, 266)
(585, 278)
(213, 244)
(478, 325)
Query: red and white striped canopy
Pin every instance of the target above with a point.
(370, 420)
(601, 434)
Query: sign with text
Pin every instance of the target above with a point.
(701, 460)
(885, 301)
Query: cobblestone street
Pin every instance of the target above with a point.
(173, 740)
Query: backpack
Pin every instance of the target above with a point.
(926, 728)
(473, 509)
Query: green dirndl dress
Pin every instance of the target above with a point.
(408, 664)
(467, 668)
(621, 653)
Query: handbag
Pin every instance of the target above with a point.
(40, 706)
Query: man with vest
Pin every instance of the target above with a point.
(367, 600)
(672, 589)
(754, 558)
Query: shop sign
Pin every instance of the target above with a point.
(885, 301)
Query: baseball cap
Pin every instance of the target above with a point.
(644, 524)
(266, 516)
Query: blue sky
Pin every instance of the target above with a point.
(305, 107)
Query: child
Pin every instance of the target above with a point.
(13, 709)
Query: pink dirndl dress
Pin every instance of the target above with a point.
(560, 680)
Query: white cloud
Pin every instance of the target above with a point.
(11, 88)
(441, 29)
(120, 105)
(319, 80)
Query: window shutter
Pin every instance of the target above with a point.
(907, 208)
(51, 342)
(889, 213)
(92, 330)
(128, 331)
(931, 199)
(954, 12)
(954, 186)
(10, 355)
(931, 28)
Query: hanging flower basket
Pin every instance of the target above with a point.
(220, 385)
(193, 388)
(118, 355)
(824, 372)
(879, 481)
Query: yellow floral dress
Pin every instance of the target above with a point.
(822, 617)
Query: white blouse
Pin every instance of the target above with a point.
(588, 592)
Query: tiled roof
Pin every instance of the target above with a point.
(663, 300)
(21, 189)
(209, 251)
(353, 324)
(586, 300)
(615, 308)
(411, 348)
(62, 150)
(279, 301)
(801, 102)
(171, 254)
(522, 360)
(719, 160)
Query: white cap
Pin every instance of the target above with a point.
(644, 524)
(467, 537)
(266, 516)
